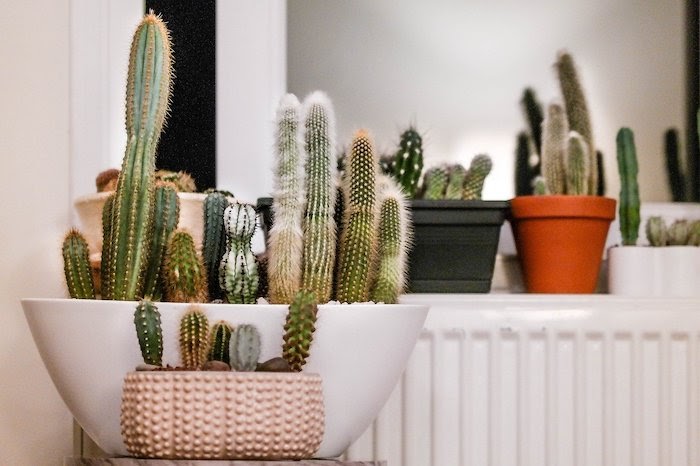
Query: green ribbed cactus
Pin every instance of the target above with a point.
(319, 227)
(629, 205)
(577, 165)
(106, 239)
(194, 338)
(238, 273)
(214, 240)
(245, 348)
(479, 168)
(166, 212)
(395, 235)
(657, 232)
(435, 183)
(219, 341)
(181, 181)
(555, 131)
(285, 243)
(149, 332)
(455, 182)
(76, 266)
(184, 275)
(148, 94)
(358, 240)
(408, 161)
(299, 329)
(676, 176)
(678, 233)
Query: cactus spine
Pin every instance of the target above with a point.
(194, 338)
(148, 93)
(358, 239)
(479, 168)
(76, 266)
(299, 329)
(577, 166)
(395, 236)
(319, 227)
(555, 131)
(219, 341)
(214, 241)
(149, 332)
(166, 212)
(238, 272)
(676, 178)
(455, 182)
(408, 161)
(185, 278)
(629, 188)
(656, 231)
(435, 183)
(245, 348)
(285, 241)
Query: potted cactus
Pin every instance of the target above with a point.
(560, 231)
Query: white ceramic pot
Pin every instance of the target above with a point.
(645, 271)
(359, 350)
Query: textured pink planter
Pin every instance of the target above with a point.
(222, 415)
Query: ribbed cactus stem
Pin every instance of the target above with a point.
(320, 230)
(577, 165)
(455, 182)
(395, 235)
(358, 238)
(214, 240)
(532, 109)
(245, 348)
(479, 169)
(106, 285)
(219, 341)
(149, 332)
(194, 338)
(299, 329)
(166, 212)
(678, 233)
(184, 275)
(555, 132)
(676, 178)
(408, 161)
(435, 183)
(148, 93)
(285, 243)
(656, 231)
(238, 272)
(629, 205)
(76, 266)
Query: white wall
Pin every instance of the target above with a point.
(35, 427)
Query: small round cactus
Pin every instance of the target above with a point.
(149, 332)
(678, 233)
(435, 183)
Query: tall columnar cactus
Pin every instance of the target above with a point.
(524, 170)
(299, 329)
(166, 212)
(629, 188)
(395, 235)
(455, 182)
(678, 233)
(676, 177)
(238, 273)
(479, 168)
(219, 341)
(148, 93)
(214, 240)
(358, 238)
(285, 243)
(657, 232)
(149, 332)
(532, 109)
(320, 230)
(602, 185)
(245, 348)
(184, 275)
(577, 111)
(76, 266)
(408, 161)
(194, 338)
(435, 183)
(577, 165)
(555, 131)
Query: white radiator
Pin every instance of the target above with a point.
(527, 380)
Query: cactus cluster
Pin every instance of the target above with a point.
(680, 232)
(456, 182)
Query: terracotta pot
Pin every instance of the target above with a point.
(560, 240)
(222, 415)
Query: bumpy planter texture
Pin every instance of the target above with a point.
(222, 415)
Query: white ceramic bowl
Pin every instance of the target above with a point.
(359, 350)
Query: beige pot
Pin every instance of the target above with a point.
(222, 415)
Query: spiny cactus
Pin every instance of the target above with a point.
(105, 259)
(299, 329)
(76, 266)
(479, 168)
(555, 131)
(214, 240)
(629, 205)
(285, 241)
(148, 93)
(676, 177)
(358, 244)
(678, 233)
(656, 231)
(219, 341)
(245, 348)
(435, 183)
(194, 338)
(455, 182)
(149, 332)
(577, 165)
(238, 273)
(408, 161)
(184, 275)
(182, 181)
(166, 212)
(319, 227)
(395, 235)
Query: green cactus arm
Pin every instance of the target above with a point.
(238, 271)
(555, 131)
(408, 161)
(245, 348)
(214, 240)
(299, 329)
(678, 233)
(455, 182)
(149, 332)
(184, 275)
(194, 338)
(479, 169)
(76, 266)
(166, 213)
(656, 231)
(629, 205)
(435, 183)
(219, 341)
(577, 165)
